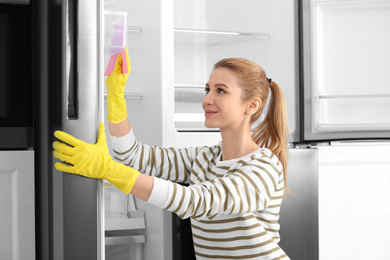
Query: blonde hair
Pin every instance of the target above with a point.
(272, 132)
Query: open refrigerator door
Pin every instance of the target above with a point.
(133, 228)
(346, 94)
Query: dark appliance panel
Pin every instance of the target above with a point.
(16, 76)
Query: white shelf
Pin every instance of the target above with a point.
(214, 38)
(190, 87)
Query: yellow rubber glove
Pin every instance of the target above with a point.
(115, 84)
(92, 160)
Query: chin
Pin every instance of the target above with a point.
(209, 125)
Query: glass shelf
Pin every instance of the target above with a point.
(214, 38)
(190, 87)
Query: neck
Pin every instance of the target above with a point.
(237, 143)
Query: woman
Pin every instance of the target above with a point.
(236, 186)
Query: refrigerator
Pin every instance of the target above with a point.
(306, 46)
(68, 96)
(69, 51)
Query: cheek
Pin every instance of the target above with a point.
(236, 105)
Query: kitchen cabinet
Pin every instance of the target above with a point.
(17, 236)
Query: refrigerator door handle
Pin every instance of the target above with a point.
(80, 197)
(70, 57)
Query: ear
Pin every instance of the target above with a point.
(253, 106)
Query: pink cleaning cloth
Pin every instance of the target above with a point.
(111, 63)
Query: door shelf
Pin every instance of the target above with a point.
(136, 220)
(368, 96)
(354, 4)
(344, 113)
(211, 38)
(125, 240)
(352, 127)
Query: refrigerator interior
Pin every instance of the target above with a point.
(171, 57)
(346, 88)
(207, 31)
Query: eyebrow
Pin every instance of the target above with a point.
(217, 85)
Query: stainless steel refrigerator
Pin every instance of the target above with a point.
(296, 42)
(67, 97)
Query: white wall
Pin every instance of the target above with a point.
(354, 202)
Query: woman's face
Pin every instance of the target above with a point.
(223, 104)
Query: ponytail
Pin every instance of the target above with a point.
(272, 133)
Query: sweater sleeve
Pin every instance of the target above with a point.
(166, 163)
(248, 189)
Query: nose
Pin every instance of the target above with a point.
(207, 100)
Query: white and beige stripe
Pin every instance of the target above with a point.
(233, 205)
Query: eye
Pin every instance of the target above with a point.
(206, 90)
(221, 91)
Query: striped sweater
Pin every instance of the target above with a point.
(233, 205)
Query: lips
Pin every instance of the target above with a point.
(209, 112)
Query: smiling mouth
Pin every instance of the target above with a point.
(209, 113)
